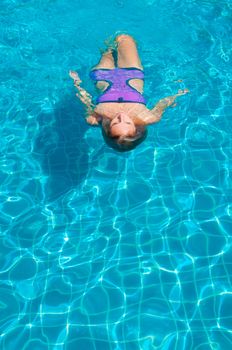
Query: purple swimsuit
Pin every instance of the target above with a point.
(119, 89)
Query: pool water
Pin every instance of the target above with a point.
(102, 250)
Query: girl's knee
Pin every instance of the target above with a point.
(123, 37)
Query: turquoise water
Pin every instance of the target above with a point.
(102, 250)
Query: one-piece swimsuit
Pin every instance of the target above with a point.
(119, 89)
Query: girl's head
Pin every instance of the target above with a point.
(121, 133)
(122, 125)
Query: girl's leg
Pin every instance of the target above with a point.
(106, 61)
(128, 56)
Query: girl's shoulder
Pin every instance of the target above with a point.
(142, 117)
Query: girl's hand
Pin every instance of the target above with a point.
(171, 99)
(74, 75)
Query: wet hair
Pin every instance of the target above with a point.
(123, 143)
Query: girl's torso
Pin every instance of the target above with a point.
(135, 111)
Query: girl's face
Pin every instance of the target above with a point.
(122, 125)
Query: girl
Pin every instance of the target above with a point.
(121, 108)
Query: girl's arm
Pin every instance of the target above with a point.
(86, 99)
(157, 111)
